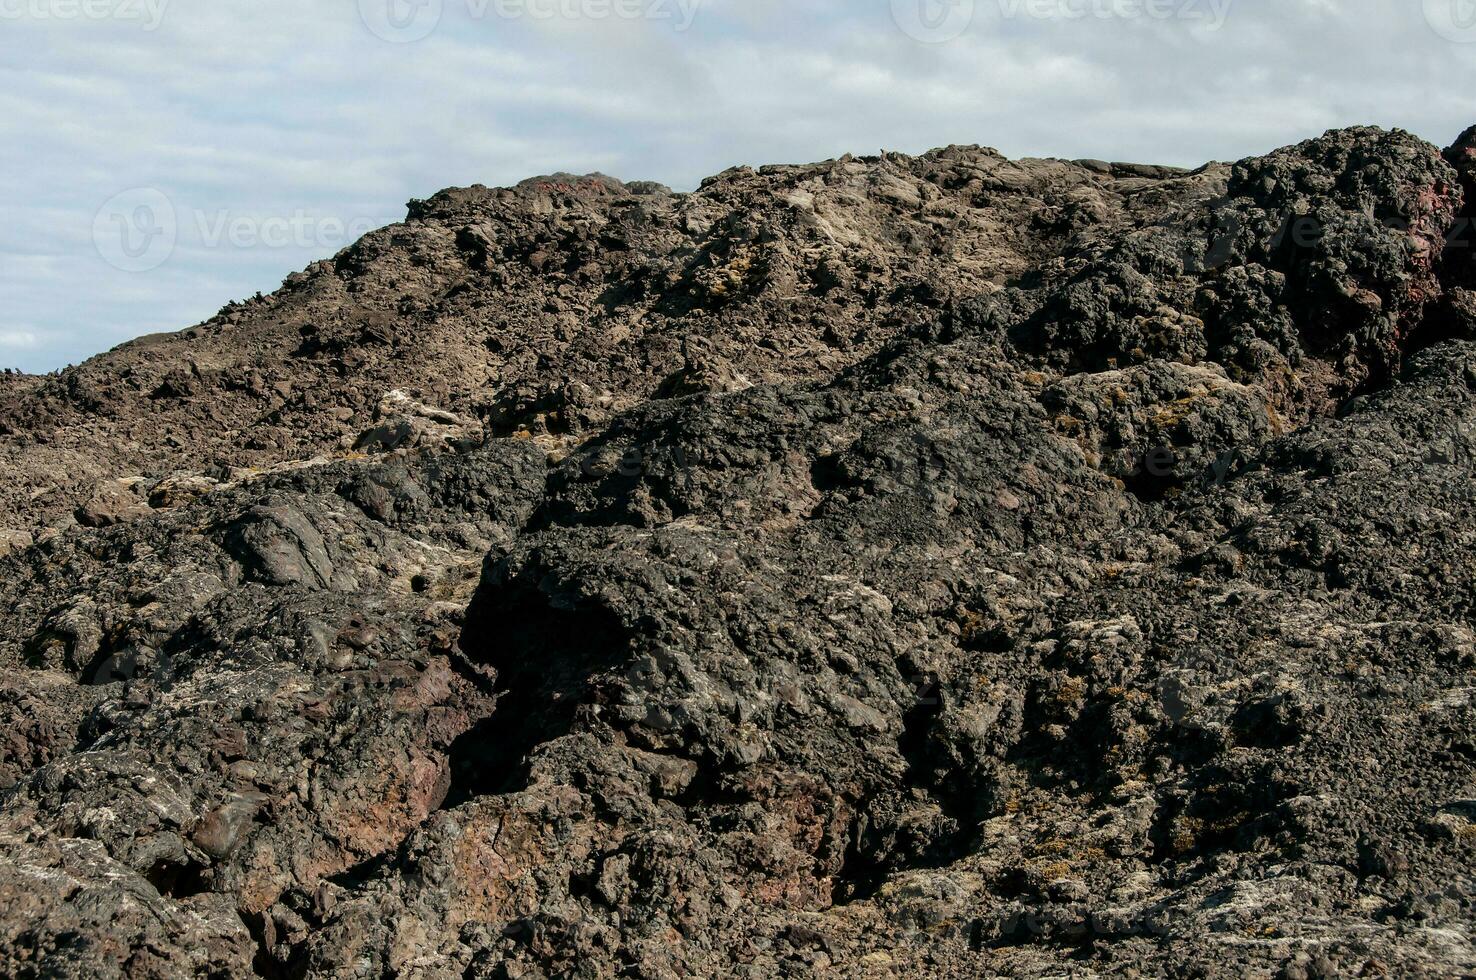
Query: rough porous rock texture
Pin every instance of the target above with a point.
(939, 566)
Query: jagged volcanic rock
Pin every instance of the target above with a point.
(936, 566)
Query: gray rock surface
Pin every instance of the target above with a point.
(937, 566)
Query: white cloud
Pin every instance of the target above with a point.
(284, 107)
(19, 339)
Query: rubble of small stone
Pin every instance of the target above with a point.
(937, 566)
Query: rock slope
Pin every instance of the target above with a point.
(941, 566)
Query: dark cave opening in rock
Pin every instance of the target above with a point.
(882, 845)
(177, 879)
(1149, 487)
(544, 649)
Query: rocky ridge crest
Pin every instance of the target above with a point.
(939, 565)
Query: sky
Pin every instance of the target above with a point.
(161, 158)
